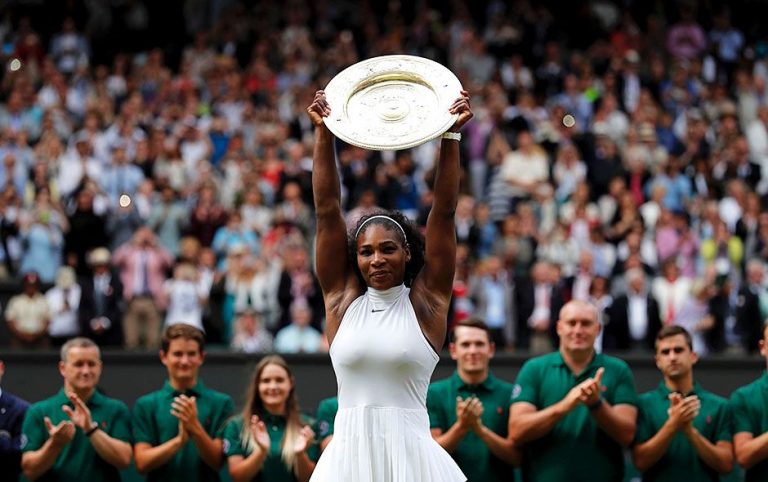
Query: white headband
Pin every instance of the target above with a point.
(381, 216)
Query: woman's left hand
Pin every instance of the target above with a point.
(306, 437)
(461, 106)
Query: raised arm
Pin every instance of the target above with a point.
(435, 282)
(333, 269)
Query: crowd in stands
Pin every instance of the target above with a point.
(618, 155)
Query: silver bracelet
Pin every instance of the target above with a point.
(454, 136)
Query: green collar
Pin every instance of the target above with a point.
(594, 364)
(96, 399)
(270, 419)
(170, 392)
(488, 385)
(663, 391)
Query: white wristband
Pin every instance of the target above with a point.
(454, 136)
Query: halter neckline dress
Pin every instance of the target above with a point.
(383, 364)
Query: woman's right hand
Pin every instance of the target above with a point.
(319, 109)
(259, 432)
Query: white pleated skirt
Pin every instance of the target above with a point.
(383, 444)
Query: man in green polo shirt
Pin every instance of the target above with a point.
(683, 431)
(177, 429)
(78, 434)
(573, 410)
(750, 423)
(469, 411)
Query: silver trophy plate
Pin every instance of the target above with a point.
(391, 102)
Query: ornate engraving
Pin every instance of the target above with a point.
(391, 102)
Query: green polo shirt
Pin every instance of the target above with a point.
(274, 469)
(749, 410)
(575, 450)
(78, 459)
(154, 424)
(325, 417)
(472, 455)
(680, 461)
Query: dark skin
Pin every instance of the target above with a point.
(381, 255)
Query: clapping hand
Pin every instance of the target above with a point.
(185, 409)
(81, 415)
(306, 437)
(468, 412)
(683, 410)
(260, 434)
(591, 388)
(587, 392)
(60, 434)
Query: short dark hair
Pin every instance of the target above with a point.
(674, 330)
(472, 322)
(182, 330)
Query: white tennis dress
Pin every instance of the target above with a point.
(383, 365)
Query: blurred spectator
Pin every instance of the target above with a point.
(633, 317)
(42, 240)
(121, 176)
(255, 215)
(538, 301)
(298, 282)
(28, 315)
(184, 297)
(77, 163)
(86, 231)
(69, 48)
(122, 222)
(168, 218)
(64, 304)
(523, 169)
(752, 305)
(143, 264)
(207, 215)
(686, 39)
(249, 334)
(694, 315)
(670, 290)
(727, 42)
(491, 290)
(101, 302)
(600, 297)
(299, 336)
(234, 233)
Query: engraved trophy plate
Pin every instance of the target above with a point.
(391, 102)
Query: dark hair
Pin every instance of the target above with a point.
(472, 322)
(414, 241)
(674, 330)
(182, 330)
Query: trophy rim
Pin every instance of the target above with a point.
(409, 68)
